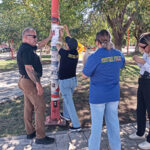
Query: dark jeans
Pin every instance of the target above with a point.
(143, 105)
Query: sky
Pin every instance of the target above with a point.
(0, 1)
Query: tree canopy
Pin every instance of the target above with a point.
(84, 18)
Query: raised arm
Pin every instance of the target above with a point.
(67, 30)
(45, 41)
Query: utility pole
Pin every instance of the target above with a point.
(11, 49)
(128, 42)
(54, 117)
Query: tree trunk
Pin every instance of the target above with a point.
(118, 40)
(136, 48)
(118, 44)
(118, 28)
(137, 36)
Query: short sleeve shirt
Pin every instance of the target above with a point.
(68, 63)
(103, 68)
(26, 56)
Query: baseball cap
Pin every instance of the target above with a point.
(144, 38)
(72, 43)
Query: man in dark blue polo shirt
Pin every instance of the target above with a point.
(67, 78)
(30, 69)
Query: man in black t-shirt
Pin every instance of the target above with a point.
(67, 78)
(30, 69)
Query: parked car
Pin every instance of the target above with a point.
(4, 48)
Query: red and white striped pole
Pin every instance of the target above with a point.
(54, 117)
(128, 42)
(11, 49)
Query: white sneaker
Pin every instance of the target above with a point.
(144, 145)
(134, 136)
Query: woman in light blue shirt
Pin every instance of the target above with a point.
(103, 68)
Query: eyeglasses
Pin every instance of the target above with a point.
(34, 36)
(144, 46)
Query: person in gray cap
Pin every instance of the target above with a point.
(67, 78)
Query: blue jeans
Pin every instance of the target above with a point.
(110, 111)
(67, 87)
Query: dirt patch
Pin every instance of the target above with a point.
(128, 102)
(127, 105)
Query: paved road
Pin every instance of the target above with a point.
(6, 56)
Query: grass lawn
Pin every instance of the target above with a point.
(7, 65)
(11, 113)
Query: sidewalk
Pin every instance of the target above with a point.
(9, 82)
(66, 140)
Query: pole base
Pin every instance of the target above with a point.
(60, 122)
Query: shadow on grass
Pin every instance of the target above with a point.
(11, 118)
(130, 73)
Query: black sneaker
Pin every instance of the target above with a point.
(65, 118)
(31, 136)
(72, 129)
(46, 140)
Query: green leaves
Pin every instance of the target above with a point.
(83, 17)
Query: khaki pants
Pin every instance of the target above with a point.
(33, 102)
